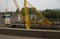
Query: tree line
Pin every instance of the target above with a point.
(52, 15)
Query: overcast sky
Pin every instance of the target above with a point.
(39, 4)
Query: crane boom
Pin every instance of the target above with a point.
(16, 4)
(27, 22)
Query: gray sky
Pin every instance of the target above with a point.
(39, 4)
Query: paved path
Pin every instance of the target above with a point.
(17, 37)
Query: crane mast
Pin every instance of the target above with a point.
(27, 21)
(16, 4)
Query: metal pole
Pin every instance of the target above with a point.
(27, 21)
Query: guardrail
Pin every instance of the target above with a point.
(31, 33)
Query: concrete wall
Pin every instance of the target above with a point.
(31, 33)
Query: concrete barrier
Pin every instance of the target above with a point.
(31, 33)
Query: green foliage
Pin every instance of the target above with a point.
(51, 14)
(30, 11)
(22, 11)
(17, 10)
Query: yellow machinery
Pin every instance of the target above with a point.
(44, 20)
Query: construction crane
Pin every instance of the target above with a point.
(44, 20)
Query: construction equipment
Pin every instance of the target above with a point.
(44, 21)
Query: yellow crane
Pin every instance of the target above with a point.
(44, 21)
